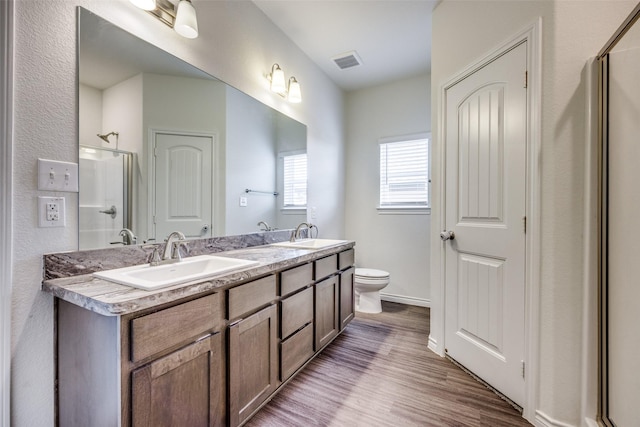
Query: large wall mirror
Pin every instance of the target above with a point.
(620, 229)
(164, 146)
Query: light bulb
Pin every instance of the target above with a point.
(277, 80)
(186, 21)
(295, 95)
(144, 4)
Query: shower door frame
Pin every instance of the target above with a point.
(6, 198)
(602, 416)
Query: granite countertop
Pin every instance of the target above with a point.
(111, 299)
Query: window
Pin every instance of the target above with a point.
(404, 173)
(295, 181)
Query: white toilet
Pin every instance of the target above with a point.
(368, 283)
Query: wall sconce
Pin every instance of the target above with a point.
(291, 90)
(181, 16)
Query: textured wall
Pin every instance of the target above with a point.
(238, 44)
(572, 32)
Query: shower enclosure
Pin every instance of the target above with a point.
(106, 187)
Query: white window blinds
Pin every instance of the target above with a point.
(295, 181)
(404, 173)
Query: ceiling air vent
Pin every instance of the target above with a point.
(347, 60)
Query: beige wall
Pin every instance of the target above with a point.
(238, 44)
(572, 32)
(394, 242)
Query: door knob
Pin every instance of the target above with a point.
(447, 235)
(205, 229)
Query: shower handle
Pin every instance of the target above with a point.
(111, 211)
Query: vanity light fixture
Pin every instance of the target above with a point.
(277, 80)
(294, 93)
(179, 15)
(290, 90)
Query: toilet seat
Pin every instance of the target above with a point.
(371, 273)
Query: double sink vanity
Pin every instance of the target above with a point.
(229, 326)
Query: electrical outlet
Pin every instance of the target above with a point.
(243, 201)
(51, 212)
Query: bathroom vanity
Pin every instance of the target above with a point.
(205, 353)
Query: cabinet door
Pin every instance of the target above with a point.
(347, 300)
(253, 363)
(326, 311)
(184, 388)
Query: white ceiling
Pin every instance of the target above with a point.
(392, 37)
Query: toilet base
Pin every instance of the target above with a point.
(368, 302)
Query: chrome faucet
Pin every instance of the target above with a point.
(128, 238)
(265, 225)
(296, 234)
(172, 247)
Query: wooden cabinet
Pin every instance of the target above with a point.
(164, 329)
(250, 296)
(296, 325)
(347, 298)
(326, 311)
(211, 360)
(296, 278)
(184, 388)
(325, 267)
(253, 363)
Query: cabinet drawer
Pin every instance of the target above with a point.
(296, 278)
(166, 328)
(346, 259)
(326, 266)
(297, 311)
(295, 351)
(250, 296)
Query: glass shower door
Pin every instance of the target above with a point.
(105, 196)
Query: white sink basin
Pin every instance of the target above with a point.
(310, 243)
(149, 277)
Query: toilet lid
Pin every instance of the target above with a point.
(370, 272)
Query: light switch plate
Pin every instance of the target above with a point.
(54, 175)
(51, 212)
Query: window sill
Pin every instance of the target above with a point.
(403, 211)
(293, 211)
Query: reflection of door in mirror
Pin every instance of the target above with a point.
(182, 180)
(105, 189)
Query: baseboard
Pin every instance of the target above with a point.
(433, 344)
(420, 302)
(543, 420)
(590, 422)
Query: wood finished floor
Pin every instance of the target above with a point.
(379, 372)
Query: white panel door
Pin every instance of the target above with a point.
(485, 152)
(183, 185)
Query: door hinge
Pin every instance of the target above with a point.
(524, 223)
(155, 152)
(522, 368)
(526, 79)
(154, 219)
